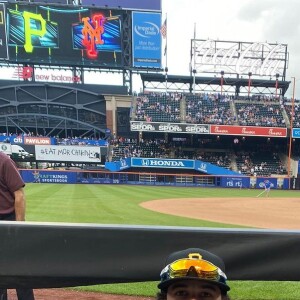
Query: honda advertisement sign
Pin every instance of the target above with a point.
(163, 163)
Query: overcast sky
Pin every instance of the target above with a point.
(233, 20)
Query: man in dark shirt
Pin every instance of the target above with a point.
(12, 206)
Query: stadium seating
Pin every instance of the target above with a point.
(158, 107)
(259, 114)
(288, 109)
(260, 163)
(209, 109)
(130, 148)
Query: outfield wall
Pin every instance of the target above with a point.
(51, 255)
(154, 179)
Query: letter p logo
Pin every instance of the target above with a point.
(30, 30)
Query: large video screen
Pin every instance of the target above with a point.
(64, 35)
(153, 5)
(3, 43)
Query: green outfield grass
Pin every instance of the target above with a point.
(119, 204)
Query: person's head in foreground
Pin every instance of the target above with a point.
(193, 274)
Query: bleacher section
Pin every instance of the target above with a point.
(158, 107)
(262, 163)
(219, 158)
(130, 148)
(259, 114)
(208, 109)
(288, 109)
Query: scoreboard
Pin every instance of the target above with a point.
(49, 34)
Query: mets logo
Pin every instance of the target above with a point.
(92, 31)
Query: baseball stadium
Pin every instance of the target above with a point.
(118, 179)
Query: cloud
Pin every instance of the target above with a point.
(279, 22)
(254, 10)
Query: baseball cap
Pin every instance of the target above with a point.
(193, 263)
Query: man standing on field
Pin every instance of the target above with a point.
(267, 187)
(12, 206)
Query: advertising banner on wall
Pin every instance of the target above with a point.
(296, 133)
(162, 163)
(27, 140)
(261, 182)
(248, 130)
(146, 40)
(38, 176)
(89, 154)
(169, 127)
(235, 182)
(208, 168)
(31, 140)
(3, 43)
(64, 35)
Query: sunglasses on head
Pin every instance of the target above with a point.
(188, 267)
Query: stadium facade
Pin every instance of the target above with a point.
(47, 50)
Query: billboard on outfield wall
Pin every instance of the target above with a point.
(3, 36)
(86, 177)
(87, 154)
(146, 40)
(64, 35)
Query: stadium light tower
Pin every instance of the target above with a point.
(222, 80)
(291, 132)
(194, 80)
(276, 85)
(249, 83)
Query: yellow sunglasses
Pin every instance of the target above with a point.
(203, 269)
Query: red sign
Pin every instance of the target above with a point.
(23, 72)
(29, 140)
(248, 131)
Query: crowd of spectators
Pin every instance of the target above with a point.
(214, 108)
(125, 148)
(158, 107)
(250, 163)
(209, 109)
(259, 163)
(221, 159)
(266, 114)
(289, 107)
